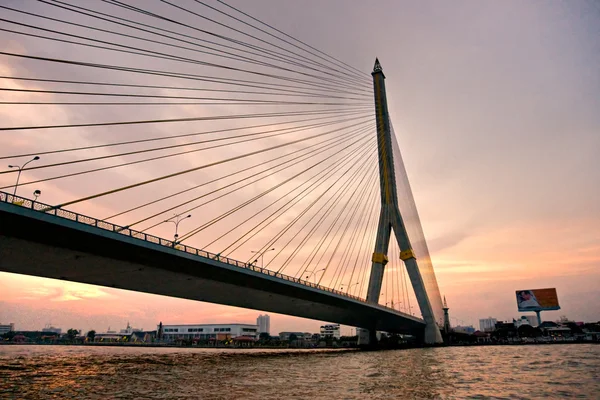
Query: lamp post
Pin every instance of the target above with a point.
(177, 218)
(19, 173)
(262, 256)
(349, 286)
(314, 273)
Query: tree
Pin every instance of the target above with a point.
(91, 335)
(527, 331)
(575, 329)
(9, 335)
(293, 337)
(72, 334)
(264, 337)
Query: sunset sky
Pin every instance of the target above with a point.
(496, 108)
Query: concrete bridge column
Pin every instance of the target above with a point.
(389, 218)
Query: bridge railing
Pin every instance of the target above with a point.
(126, 231)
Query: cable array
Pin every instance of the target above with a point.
(144, 110)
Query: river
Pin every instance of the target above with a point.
(500, 372)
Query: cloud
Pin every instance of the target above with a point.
(57, 291)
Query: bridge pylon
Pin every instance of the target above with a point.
(390, 220)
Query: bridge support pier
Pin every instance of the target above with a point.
(367, 337)
(432, 333)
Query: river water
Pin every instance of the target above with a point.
(501, 372)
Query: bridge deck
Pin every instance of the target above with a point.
(36, 240)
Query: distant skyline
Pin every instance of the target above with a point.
(495, 107)
(70, 305)
(73, 304)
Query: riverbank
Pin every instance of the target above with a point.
(265, 347)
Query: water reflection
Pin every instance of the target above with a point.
(511, 372)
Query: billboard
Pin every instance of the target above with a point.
(537, 300)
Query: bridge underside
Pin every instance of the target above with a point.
(38, 244)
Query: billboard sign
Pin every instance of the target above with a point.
(537, 300)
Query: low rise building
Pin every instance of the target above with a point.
(129, 330)
(487, 324)
(331, 331)
(5, 328)
(560, 331)
(207, 331)
(504, 325)
(526, 320)
(295, 336)
(465, 329)
(129, 334)
(138, 336)
(50, 329)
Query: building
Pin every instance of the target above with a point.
(129, 330)
(504, 325)
(298, 335)
(330, 331)
(482, 337)
(559, 331)
(264, 324)
(7, 328)
(465, 329)
(137, 336)
(526, 320)
(208, 331)
(128, 334)
(547, 324)
(50, 329)
(487, 324)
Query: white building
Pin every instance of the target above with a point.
(332, 331)
(487, 324)
(208, 331)
(50, 329)
(533, 321)
(264, 324)
(7, 328)
(526, 320)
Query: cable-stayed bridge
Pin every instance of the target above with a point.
(261, 158)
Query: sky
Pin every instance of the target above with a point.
(495, 108)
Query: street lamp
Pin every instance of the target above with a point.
(262, 256)
(176, 220)
(37, 194)
(350, 286)
(19, 174)
(314, 273)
